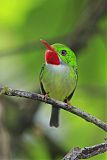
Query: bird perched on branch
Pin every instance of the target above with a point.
(58, 76)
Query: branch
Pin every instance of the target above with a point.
(87, 152)
(86, 116)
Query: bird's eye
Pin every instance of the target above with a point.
(63, 52)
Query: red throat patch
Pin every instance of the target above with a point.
(51, 57)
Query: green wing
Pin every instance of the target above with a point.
(70, 96)
(40, 78)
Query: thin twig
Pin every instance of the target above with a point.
(87, 152)
(88, 117)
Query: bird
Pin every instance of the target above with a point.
(58, 76)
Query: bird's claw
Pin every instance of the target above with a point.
(67, 102)
(46, 96)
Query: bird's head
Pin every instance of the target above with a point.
(57, 54)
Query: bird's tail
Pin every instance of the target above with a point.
(54, 120)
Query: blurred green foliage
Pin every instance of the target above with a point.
(24, 22)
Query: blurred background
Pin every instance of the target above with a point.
(24, 124)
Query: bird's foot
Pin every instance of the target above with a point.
(46, 96)
(67, 102)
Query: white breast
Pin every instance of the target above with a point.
(57, 68)
(59, 81)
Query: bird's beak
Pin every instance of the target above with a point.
(47, 45)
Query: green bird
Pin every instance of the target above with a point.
(58, 76)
